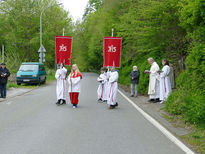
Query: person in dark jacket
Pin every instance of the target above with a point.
(4, 74)
(134, 76)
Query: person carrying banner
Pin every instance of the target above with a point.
(112, 88)
(102, 86)
(61, 84)
(74, 80)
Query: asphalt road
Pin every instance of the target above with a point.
(33, 124)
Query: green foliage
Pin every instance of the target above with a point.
(19, 29)
(189, 98)
(168, 29)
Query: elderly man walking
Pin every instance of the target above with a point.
(154, 78)
(134, 76)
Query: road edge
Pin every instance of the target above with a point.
(154, 122)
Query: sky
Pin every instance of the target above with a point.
(75, 7)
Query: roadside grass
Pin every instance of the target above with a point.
(50, 75)
(196, 135)
(14, 85)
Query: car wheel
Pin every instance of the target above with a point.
(44, 81)
(39, 82)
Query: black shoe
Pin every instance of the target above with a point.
(58, 102)
(64, 102)
(131, 95)
(151, 100)
(112, 107)
(105, 101)
(156, 100)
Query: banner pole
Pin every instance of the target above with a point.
(112, 32)
(71, 64)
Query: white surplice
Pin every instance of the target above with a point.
(154, 87)
(165, 84)
(75, 82)
(112, 88)
(61, 83)
(102, 87)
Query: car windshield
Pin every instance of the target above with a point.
(28, 68)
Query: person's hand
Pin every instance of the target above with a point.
(59, 75)
(132, 78)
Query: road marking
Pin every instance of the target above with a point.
(159, 126)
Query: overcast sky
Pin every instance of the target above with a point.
(75, 7)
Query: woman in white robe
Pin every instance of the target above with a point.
(112, 88)
(165, 84)
(61, 85)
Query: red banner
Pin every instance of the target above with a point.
(63, 49)
(112, 51)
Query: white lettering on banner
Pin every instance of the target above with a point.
(63, 48)
(112, 48)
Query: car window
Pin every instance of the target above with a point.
(28, 68)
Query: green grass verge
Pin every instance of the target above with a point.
(196, 135)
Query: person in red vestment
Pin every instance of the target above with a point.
(74, 79)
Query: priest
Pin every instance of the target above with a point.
(154, 86)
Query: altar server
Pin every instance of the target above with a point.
(74, 80)
(61, 84)
(165, 84)
(112, 88)
(102, 86)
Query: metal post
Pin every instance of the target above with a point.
(42, 49)
(112, 32)
(63, 31)
(2, 53)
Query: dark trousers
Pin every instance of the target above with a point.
(3, 89)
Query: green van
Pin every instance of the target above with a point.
(31, 72)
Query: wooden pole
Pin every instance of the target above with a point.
(71, 64)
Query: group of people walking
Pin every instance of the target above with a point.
(73, 81)
(108, 87)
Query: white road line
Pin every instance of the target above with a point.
(159, 126)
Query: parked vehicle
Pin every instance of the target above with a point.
(31, 72)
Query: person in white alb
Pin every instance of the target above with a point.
(154, 88)
(165, 84)
(74, 80)
(112, 88)
(101, 88)
(61, 84)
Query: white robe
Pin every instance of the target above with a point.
(112, 88)
(165, 84)
(61, 83)
(75, 84)
(154, 88)
(102, 87)
(107, 74)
